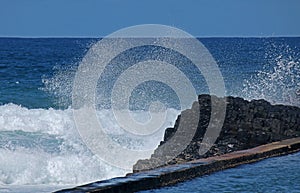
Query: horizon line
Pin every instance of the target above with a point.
(86, 37)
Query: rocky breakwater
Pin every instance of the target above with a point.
(247, 124)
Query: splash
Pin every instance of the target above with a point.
(43, 147)
(60, 85)
(40, 146)
(279, 80)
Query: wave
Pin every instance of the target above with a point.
(279, 80)
(43, 146)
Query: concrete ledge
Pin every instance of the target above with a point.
(178, 173)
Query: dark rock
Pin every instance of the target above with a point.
(246, 125)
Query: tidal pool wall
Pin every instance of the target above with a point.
(173, 174)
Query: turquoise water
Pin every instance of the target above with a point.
(279, 174)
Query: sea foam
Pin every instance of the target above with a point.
(43, 146)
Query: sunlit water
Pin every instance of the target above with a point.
(40, 148)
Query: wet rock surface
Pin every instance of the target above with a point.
(247, 124)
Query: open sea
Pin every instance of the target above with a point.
(41, 149)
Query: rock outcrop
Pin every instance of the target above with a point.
(246, 125)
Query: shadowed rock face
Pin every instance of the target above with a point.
(247, 124)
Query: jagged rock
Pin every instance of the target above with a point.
(246, 125)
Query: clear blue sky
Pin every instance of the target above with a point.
(101, 17)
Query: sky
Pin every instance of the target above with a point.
(98, 18)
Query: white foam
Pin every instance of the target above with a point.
(71, 162)
(51, 121)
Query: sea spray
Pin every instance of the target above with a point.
(279, 80)
(42, 146)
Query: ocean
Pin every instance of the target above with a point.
(40, 147)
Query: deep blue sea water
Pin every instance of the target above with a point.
(40, 148)
(25, 65)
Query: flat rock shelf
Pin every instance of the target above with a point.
(173, 174)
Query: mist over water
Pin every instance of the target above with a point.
(265, 69)
(39, 143)
(279, 80)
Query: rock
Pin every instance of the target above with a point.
(247, 124)
(230, 145)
